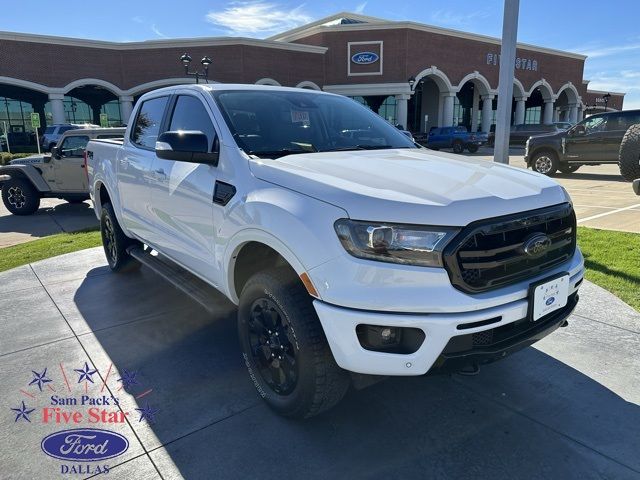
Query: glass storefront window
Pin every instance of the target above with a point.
(112, 109)
(388, 109)
(533, 115)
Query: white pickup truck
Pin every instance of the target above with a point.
(349, 250)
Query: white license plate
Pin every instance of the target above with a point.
(550, 296)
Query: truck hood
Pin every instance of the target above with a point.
(548, 136)
(411, 185)
(30, 160)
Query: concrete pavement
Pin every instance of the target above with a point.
(567, 408)
(54, 216)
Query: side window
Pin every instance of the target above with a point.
(61, 130)
(111, 135)
(630, 119)
(190, 114)
(74, 146)
(147, 126)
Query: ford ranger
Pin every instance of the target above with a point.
(350, 251)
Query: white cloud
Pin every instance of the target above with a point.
(155, 30)
(257, 18)
(360, 8)
(450, 18)
(607, 51)
(137, 19)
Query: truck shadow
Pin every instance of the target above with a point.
(529, 416)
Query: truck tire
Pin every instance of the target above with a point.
(284, 346)
(472, 148)
(115, 242)
(20, 196)
(458, 147)
(567, 168)
(545, 162)
(629, 157)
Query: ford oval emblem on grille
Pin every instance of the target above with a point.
(550, 301)
(536, 245)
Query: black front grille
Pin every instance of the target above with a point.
(491, 253)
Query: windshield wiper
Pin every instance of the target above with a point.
(276, 153)
(360, 147)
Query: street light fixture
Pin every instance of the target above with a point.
(412, 81)
(204, 73)
(606, 98)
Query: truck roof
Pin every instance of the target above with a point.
(214, 87)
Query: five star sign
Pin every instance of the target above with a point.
(85, 373)
(23, 412)
(39, 379)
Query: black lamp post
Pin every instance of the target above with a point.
(204, 73)
(606, 98)
(412, 81)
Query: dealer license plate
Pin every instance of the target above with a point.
(550, 296)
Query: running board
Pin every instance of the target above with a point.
(197, 289)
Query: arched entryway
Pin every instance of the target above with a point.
(539, 104)
(473, 91)
(17, 103)
(432, 102)
(85, 103)
(567, 104)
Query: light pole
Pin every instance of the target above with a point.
(505, 82)
(204, 73)
(606, 98)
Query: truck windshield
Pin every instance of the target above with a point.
(276, 123)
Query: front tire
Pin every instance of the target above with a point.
(629, 158)
(284, 346)
(115, 242)
(20, 197)
(545, 162)
(472, 148)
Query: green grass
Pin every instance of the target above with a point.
(22, 254)
(612, 260)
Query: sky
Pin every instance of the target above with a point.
(606, 31)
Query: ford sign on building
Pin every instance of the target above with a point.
(365, 58)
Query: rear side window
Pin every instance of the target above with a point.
(631, 119)
(190, 114)
(148, 122)
(49, 130)
(110, 135)
(65, 129)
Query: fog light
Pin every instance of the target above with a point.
(389, 339)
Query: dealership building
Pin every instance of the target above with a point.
(414, 75)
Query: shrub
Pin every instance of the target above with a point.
(5, 157)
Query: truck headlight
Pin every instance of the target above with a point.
(394, 243)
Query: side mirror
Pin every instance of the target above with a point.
(55, 153)
(186, 146)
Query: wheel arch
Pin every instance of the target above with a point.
(29, 173)
(246, 246)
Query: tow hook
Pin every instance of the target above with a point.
(564, 324)
(470, 370)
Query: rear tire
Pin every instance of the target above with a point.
(629, 157)
(545, 162)
(567, 168)
(115, 242)
(472, 148)
(284, 346)
(20, 197)
(458, 147)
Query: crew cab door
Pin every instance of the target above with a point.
(584, 142)
(617, 125)
(68, 165)
(134, 166)
(182, 192)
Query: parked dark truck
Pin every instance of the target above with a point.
(595, 140)
(457, 138)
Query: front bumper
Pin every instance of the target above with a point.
(446, 345)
